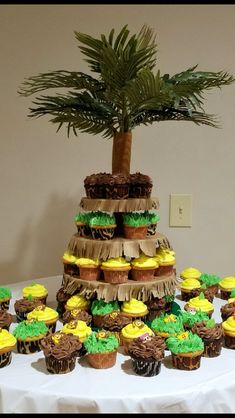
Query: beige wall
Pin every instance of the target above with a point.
(42, 172)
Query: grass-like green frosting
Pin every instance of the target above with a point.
(101, 219)
(100, 307)
(30, 329)
(100, 342)
(170, 324)
(186, 342)
(82, 217)
(5, 292)
(152, 216)
(191, 318)
(209, 279)
(136, 219)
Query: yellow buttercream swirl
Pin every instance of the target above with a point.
(165, 257)
(69, 258)
(43, 313)
(78, 328)
(88, 262)
(144, 261)
(190, 273)
(36, 290)
(189, 284)
(202, 304)
(6, 339)
(135, 330)
(229, 325)
(231, 300)
(116, 262)
(133, 306)
(77, 301)
(227, 283)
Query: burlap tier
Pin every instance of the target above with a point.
(123, 205)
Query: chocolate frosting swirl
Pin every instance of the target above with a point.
(5, 318)
(206, 333)
(147, 347)
(77, 314)
(60, 345)
(26, 305)
(62, 296)
(115, 321)
(156, 303)
(228, 309)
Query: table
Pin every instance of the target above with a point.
(26, 386)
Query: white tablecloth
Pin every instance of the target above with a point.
(26, 386)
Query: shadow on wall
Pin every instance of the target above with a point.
(40, 247)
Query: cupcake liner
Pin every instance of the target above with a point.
(146, 368)
(60, 366)
(4, 305)
(5, 359)
(187, 361)
(212, 348)
(229, 341)
(28, 347)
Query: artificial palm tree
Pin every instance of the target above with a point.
(125, 94)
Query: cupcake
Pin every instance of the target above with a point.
(100, 308)
(154, 218)
(211, 281)
(7, 345)
(143, 268)
(200, 302)
(89, 269)
(29, 334)
(190, 273)
(166, 261)
(77, 302)
(24, 306)
(135, 225)
(167, 325)
(117, 186)
(43, 313)
(188, 287)
(191, 318)
(82, 223)
(61, 352)
(140, 185)
(132, 331)
(227, 310)
(5, 297)
(69, 262)
(35, 291)
(136, 309)
(77, 314)
(212, 335)
(94, 185)
(78, 328)
(186, 350)
(101, 348)
(6, 319)
(61, 296)
(115, 270)
(114, 322)
(158, 306)
(226, 286)
(229, 331)
(146, 353)
(102, 225)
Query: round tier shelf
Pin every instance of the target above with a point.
(116, 247)
(163, 285)
(122, 205)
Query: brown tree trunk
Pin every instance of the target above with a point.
(121, 157)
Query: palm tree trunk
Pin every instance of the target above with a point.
(121, 157)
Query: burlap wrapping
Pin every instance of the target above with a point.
(116, 247)
(122, 205)
(125, 291)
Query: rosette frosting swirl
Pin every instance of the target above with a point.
(147, 347)
(5, 318)
(206, 333)
(60, 345)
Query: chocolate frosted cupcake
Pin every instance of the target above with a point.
(94, 185)
(77, 314)
(114, 321)
(212, 335)
(29, 334)
(100, 308)
(147, 353)
(140, 186)
(227, 310)
(62, 296)
(60, 351)
(6, 319)
(158, 306)
(24, 306)
(117, 186)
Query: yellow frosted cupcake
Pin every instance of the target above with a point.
(77, 302)
(200, 303)
(143, 268)
(187, 287)
(229, 331)
(116, 270)
(132, 331)
(7, 345)
(89, 268)
(69, 262)
(35, 291)
(190, 273)
(166, 261)
(43, 313)
(134, 308)
(226, 285)
(78, 328)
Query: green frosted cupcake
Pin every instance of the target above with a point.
(29, 334)
(186, 350)
(166, 325)
(100, 308)
(5, 297)
(101, 349)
